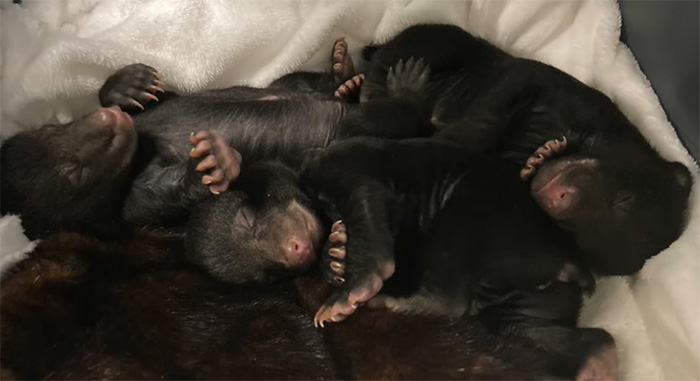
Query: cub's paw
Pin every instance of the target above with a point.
(349, 91)
(213, 160)
(408, 80)
(341, 62)
(548, 150)
(131, 87)
(333, 255)
(355, 291)
(344, 303)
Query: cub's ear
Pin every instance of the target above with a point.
(682, 175)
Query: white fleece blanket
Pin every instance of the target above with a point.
(57, 53)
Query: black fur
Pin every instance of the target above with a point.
(500, 105)
(455, 212)
(265, 226)
(460, 235)
(454, 233)
(59, 178)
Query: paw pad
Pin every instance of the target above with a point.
(212, 155)
(333, 260)
(341, 62)
(349, 91)
(542, 154)
(344, 303)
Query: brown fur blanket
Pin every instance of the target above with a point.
(78, 308)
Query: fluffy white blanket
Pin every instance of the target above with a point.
(57, 53)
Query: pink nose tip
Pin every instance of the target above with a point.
(561, 193)
(112, 116)
(557, 198)
(106, 116)
(298, 251)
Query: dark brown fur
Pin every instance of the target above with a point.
(79, 308)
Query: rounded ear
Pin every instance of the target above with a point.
(682, 176)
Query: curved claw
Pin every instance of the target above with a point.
(338, 226)
(150, 96)
(320, 318)
(335, 313)
(337, 252)
(134, 102)
(526, 172)
(338, 237)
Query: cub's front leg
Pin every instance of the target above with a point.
(368, 219)
(361, 181)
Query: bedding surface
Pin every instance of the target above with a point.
(56, 54)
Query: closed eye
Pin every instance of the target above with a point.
(245, 218)
(624, 201)
(76, 173)
(83, 174)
